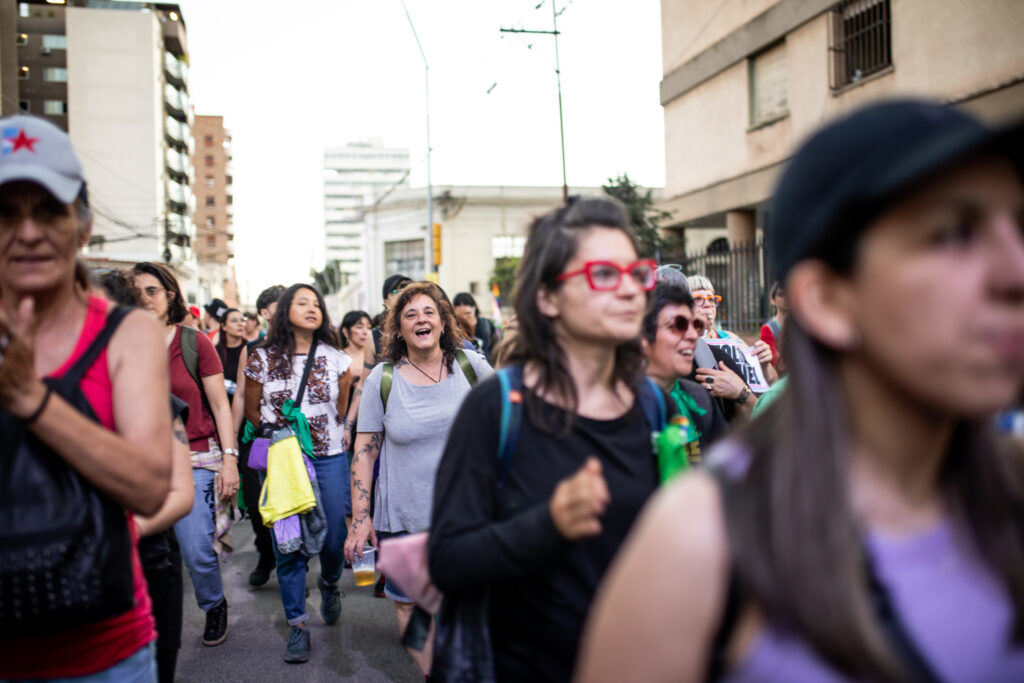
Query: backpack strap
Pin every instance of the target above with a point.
(511, 380)
(387, 375)
(310, 357)
(114, 318)
(652, 401)
(776, 329)
(467, 367)
(190, 355)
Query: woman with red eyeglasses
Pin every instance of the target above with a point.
(541, 535)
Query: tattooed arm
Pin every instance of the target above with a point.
(353, 413)
(178, 502)
(367, 449)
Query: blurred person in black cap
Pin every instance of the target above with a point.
(480, 331)
(868, 525)
(213, 318)
(392, 286)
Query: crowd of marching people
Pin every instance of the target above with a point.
(602, 491)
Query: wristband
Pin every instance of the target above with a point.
(42, 406)
(231, 451)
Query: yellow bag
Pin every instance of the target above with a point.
(286, 489)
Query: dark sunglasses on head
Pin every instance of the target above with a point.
(680, 324)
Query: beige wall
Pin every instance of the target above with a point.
(688, 27)
(115, 119)
(944, 49)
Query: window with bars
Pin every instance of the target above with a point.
(861, 40)
(407, 257)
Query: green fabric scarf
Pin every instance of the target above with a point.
(300, 426)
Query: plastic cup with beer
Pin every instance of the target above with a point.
(363, 567)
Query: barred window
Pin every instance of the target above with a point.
(861, 38)
(407, 257)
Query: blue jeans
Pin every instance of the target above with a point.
(332, 475)
(195, 536)
(138, 668)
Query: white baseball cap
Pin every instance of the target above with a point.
(36, 150)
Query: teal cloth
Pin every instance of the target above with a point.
(248, 432)
(768, 397)
(300, 426)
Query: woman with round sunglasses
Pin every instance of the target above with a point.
(541, 537)
(869, 527)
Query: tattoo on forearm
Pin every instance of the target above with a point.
(179, 432)
(357, 393)
(363, 494)
(371, 449)
(401, 363)
(368, 366)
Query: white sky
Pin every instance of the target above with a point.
(294, 78)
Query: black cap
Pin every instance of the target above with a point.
(394, 282)
(848, 172)
(216, 308)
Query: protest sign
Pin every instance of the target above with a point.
(746, 359)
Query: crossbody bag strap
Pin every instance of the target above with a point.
(387, 376)
(310, 357)
(99, 342)
(466, 366)
(511, 380)
(190, 357)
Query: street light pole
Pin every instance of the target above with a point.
(430, 188)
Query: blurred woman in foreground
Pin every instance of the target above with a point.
(868, 526)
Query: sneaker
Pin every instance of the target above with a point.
(216, 624)
(330, 601)
(260, 575)
(298, 646)
(378, 589)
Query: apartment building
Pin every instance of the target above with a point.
(745, 81)
(354, 175)
(115, 76)
(214, 209)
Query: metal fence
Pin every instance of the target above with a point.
(861, 40)
(740, 276)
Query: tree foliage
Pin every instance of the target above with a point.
(643, 216)
(505, 276)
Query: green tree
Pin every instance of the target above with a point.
(643, 216)
(505, 276)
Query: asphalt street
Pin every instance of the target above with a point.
(363, 646)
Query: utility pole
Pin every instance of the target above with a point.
(558, 79)
(430, 187)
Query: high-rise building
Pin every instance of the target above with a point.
(353, 174)
(214, 210)
(115, 76)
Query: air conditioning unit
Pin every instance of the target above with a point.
(44, 50)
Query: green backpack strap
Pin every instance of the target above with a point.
(467, 368)
(190, 353)
(386, 376)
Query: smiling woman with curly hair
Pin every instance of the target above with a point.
(425, 377)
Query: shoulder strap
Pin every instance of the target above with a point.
(652, 401)
(99, 342)
(776, 328)
(511, 379)
(467, 368)
(190, 354)
(310, 357)
(386, 376)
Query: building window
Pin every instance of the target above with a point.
(211, 241)
(23, 9)
(208, 140)
(209, 181)
(58, 107)
(54, 42)
(861, 40)
(24, 105)
(208, 160)
(22, 39)
(55, 74)
(769, 97)
(23, 73)
(210, 201)
(209, 221)
(407, 256)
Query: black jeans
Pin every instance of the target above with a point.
(251, 496)
(161, 564)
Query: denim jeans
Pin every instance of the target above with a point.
(138, 668)
(332, 475)
(195, 537)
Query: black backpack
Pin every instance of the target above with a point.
(65, 551)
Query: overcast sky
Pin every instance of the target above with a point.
(293, 78)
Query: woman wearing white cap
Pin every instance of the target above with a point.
(83, 399)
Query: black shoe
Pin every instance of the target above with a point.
(298, 646)
(216, 624)
(378, 590)
(260, 575)
(330, 601)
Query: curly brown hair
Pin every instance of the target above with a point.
(393, 344)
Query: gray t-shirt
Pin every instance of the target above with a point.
(415, 431)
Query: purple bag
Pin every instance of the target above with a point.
(258, 454)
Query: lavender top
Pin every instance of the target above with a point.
(957, 613)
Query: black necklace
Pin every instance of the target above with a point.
(439, 372)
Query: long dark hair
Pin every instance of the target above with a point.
(222, 336)
(351, 319)
(176, 309)
(394, 346)
(797, 547)
(552, 242)
(281, 337)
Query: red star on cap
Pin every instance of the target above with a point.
(24, 141)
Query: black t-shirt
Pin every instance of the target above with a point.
(726, 405)
(541, 584)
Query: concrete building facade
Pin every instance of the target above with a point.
(354, 175)
(745, 82)
(214, 209)
(115, 76)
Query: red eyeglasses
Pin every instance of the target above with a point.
(605, 276)
(681, 323)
